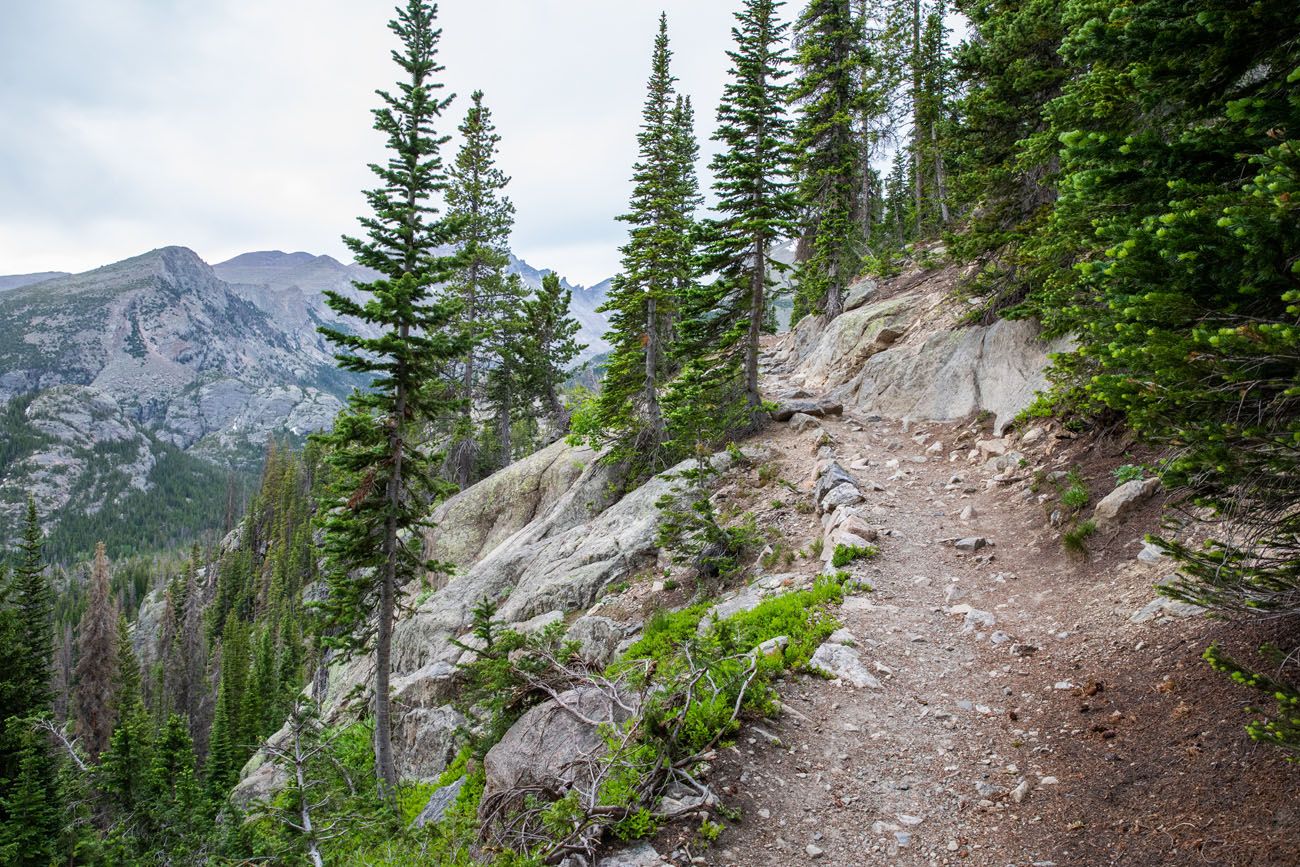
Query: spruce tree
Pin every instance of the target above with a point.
(482, 217)
(96, 652)
(642, 304)
(723, 320)
(550, 339)
(384, 475)
(1005, 155)
(122, 775)
(829, 162)
(33, 599)
(32, 816)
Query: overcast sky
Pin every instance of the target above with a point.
(237, 125)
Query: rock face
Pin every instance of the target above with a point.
(561, 561)
(118, 363)
(471, 525)
(906, 356)
(547, 748)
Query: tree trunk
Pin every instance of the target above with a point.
(304, 804)
(940, 178)
(758, 281)
(503, 432)
(385, 767)
(916, 112)
(654, 418)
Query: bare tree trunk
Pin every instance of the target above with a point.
(758, 282)
(916, 113)
(654, 417)
(304, 803)
(940, 178)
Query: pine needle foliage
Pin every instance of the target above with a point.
(384, 475)
(722, 320)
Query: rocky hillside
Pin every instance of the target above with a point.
(970, 708)
(162, 373)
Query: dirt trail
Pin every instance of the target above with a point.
(1037, 726)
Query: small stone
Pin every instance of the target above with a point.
(969, 514)
(1020, 791)
(764, 813)
(801, 422)
(814, 851)
(971, 543)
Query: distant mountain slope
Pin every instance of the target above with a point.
(291, 284)
(15, 281)
(161, 365)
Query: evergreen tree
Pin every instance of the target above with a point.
(383, 474)
(643, 301)
(830, 161)
(97, 645)
(230, 741)
(122, 776)
(1005, 153)
(549, 332)
(723, 320)
(32, 816)
(488, 297)
(1178, 197)
(178, 812)
(33, 599)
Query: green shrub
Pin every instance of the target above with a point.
(1129, 473)
(846, 554)
(1075, 539)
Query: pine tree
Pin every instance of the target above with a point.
(930, 118)
(830, 160)
(723, 320)
(96, 648)
(177, 812)
(550, 345)
(483, 218)
(1179, 199)
(384, 476)
(642, 303)
(32, 816)
(33, 598)
(1005, 155)
(122, 775)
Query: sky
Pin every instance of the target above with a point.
(235, 125)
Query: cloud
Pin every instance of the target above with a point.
(233, 125)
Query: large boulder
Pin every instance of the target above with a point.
(954, 374)
(563, 560)
(475, 521)
(1124, 501)
(549, 748)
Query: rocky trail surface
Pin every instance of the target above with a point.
(1000, 701)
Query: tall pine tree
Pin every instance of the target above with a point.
(657, 263)
(723, 320)
(384, 474)
(96, 651)
(482, 217)
(830, 159)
